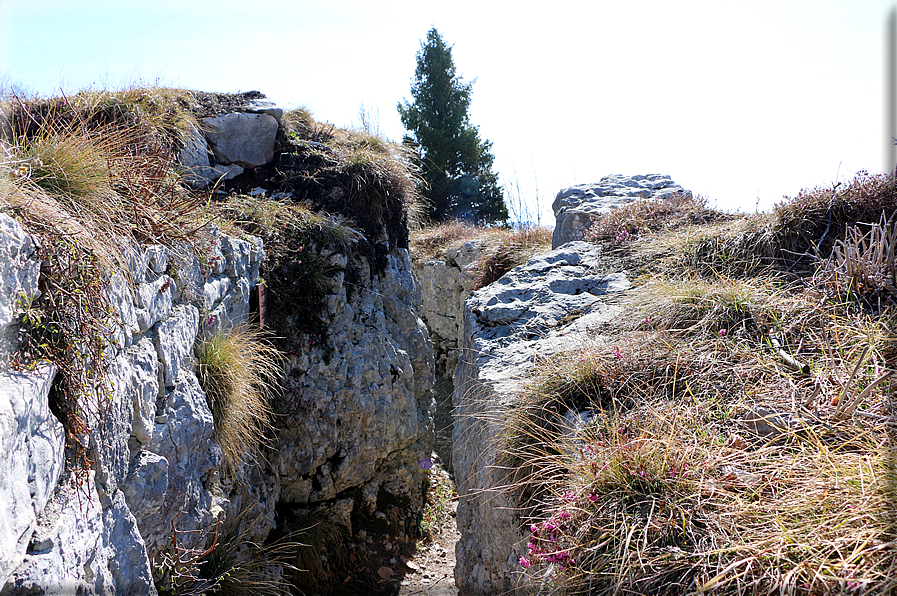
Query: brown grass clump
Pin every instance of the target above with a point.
(626, 223)
(359, 174)
(238, 371)
(504, 248)
(863, 263)
(429, 241)
(516, 248)
(801, 231)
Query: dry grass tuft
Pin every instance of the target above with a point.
(430, 241)
(863, 264)
(238, 371)
(735, 434)
(640, 477)
(626, 223)
(504, 248)
(237, 566)
(514, 249)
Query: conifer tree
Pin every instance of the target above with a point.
(456, 164)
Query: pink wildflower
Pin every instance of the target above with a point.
(524, 563)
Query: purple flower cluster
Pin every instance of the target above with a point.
(547, 539)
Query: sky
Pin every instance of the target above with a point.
(743, 102)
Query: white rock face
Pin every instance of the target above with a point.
(31, 459)
(18, 277)
(96, 532)
(544, 307)
(574, 207)
(240, 138)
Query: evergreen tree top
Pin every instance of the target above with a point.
(456, 164)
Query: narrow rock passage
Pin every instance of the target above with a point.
(435, 560)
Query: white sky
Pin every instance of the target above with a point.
(735, 100)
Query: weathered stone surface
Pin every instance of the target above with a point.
(154, 302)
(123, 323)
(18, 277)
(157, 259)
(173, 339)
(31, 459)
(360, 415)
(183, 441)
(263, 106)
(126, 550)
(574, 207)
(243, 139)
(196, 167)
(194, 160)
(542, 308)
(67, 553)
(445, 284)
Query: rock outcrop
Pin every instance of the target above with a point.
(536, 310)
(354, 415)
(575, 207)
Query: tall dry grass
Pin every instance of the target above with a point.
(239, 371)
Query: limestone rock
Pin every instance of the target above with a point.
(574, 207)
(31, 459)
(360, 415)
(154, 302)
(173, 339)
(445, 283)
(152, 450)
(263, 106)
(193, 160)
(539, 309)
(18, 277)
(240, 138)
(166, 480)
(67, 553)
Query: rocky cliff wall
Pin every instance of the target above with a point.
(100, 529)
(353, 413)
(446, 282)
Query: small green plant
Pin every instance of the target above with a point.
(440, 491)
(238, 370)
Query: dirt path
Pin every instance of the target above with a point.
(435, 561)
(435, 575)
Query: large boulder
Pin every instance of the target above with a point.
(542, 308)
(240, 138)
(575, 207)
